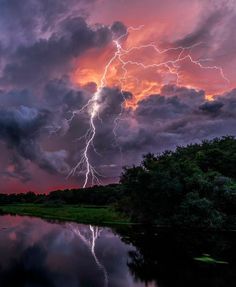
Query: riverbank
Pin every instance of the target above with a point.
(83, 214)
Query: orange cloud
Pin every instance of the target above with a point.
(147, 68)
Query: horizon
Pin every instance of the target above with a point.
(115, 182)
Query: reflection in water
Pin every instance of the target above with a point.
(89, 239)
(38, 253)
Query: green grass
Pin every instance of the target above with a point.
(206, 258)
(82, 214)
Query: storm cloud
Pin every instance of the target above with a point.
(43, 45)
(176, 116)
(33, 64)
(21, 128)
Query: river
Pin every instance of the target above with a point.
(39, 253)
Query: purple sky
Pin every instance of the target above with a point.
(52, 58)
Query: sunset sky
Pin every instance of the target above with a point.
(162, 73)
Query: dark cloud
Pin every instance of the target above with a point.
(51, 57)
(203, 32)
(21, 128)
(175, 118)
(16, 98)
(17, 169)
(211, 107)
(59, 93)
(157, 106)
(188, 95)
(111, 102)
(118, 29)
(215, 33)
(25, 23)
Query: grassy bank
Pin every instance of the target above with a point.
(82, 214)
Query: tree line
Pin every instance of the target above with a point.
(192, 186)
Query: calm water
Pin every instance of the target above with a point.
(38, 253)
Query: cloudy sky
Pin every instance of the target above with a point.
(121, 78)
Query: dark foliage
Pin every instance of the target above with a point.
(193, 186)
(96, 195)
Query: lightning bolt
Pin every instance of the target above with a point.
(94, 105)
(89, 238)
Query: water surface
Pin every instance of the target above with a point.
(39, 253)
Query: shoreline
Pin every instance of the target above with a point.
(100, 215)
